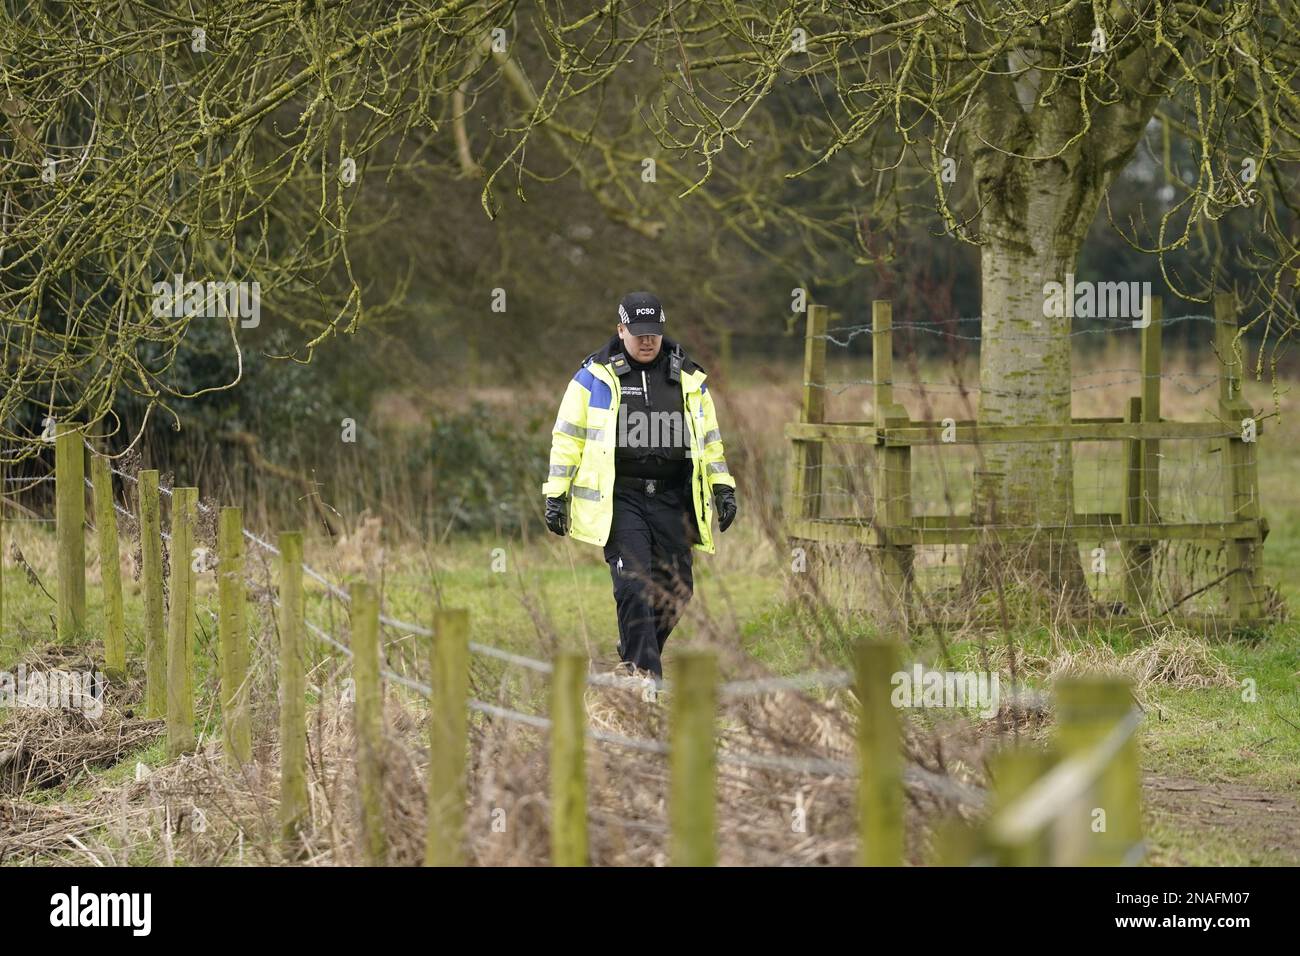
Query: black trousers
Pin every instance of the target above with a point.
(649, 556)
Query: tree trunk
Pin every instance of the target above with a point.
(1025, 374)
(1033, 229)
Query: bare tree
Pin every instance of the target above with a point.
(218, 140)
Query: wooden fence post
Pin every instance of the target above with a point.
(1152, 372)
(70, 517)
(232, 624)
(568, 760)
(892, 520)
(1245, 586)
(110, 568)
(448, 739)
(1087, 711)
(692, 796)
(295, 806)
(151, 578)
(892, 475)
(180, 625)
(1013, 772)
(882, 358)
(806, 466)
(368, 719)
(880, 775)
(1136, 555)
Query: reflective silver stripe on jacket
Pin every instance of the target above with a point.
(563, 471)
(577, 431)
(712, 436)
(591, 494)
(718, 468)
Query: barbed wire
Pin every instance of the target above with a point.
(937, 329)
(802, 765)
(839, 386)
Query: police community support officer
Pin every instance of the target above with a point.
(637, 466)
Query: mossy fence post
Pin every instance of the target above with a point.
(1245, 584)
(232, 636)
(151, 576)
(568, 760)
(806, 463)
(110, 568)
(448, 739)
(1108, 823)
(880, 775)
(180, 625)
(70, 534)
(368, 721)
(294, 800)
(692, 798)
(1013, 772)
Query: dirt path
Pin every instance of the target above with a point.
(1264, 826)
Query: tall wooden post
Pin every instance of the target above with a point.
(294, 800)
(568, 766)
(448, 740)
(295, 804)
(1109, 824)
(1245, 586)
(368, 720)
(151, 577)
(70, 517)
(806, 467)
(880, 774)
(1137, 564)
(110, 568)
(1152, 374)
(892, 475)
(232, 626)
(180, 624)
(882, 358)
(693, 772)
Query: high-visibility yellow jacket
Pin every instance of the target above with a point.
(584, 437)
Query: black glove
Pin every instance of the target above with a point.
(557, 515)
(724, 499)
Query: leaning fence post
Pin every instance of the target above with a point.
(110, 568)
(70, 517)
(151, 574)
(448, 739)
(232, 625)
(368, 719)
(692, 797)
(180, 625)
(294, 801)
(880, 775)
(568, 769)
(1087, 711)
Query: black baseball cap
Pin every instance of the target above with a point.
(641, 313)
